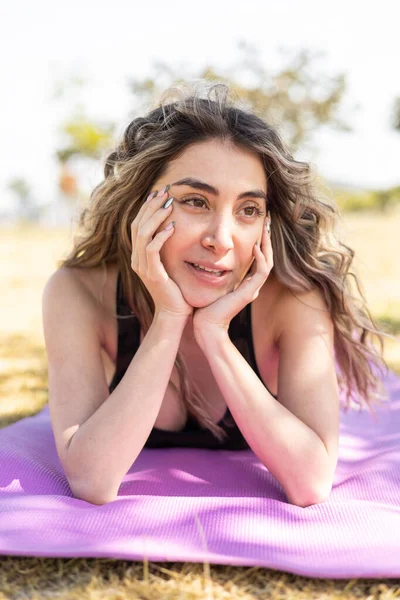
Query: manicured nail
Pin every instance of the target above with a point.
(153, 195)
(167, 203)
(165, 189)
(170, 225)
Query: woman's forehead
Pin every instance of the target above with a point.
(213, 161)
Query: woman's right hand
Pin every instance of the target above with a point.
(146, 261)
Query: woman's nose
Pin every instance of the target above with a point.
(219, 235)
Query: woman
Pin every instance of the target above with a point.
(203, 306)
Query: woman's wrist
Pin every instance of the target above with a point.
(170, 320)
(208, 338)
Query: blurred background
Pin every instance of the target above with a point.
(74, 74)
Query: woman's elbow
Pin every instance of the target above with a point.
(317, 497)
(320, 500)
(89, 494)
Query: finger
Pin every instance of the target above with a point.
(134, 229)
(266, 244)
(263, 253)
(148, 222)
(260, 268)
(147, 229)
(144, 209)
(253, 266)
(149, 225)
(155, 199)
(155, 267)
(141, 212)
(252, 284)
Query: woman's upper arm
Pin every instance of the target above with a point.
(77, 381)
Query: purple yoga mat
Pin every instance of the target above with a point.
(214, 506)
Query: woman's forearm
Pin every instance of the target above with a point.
(106, 445)
(288, 448)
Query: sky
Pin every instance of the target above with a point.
(45, 43)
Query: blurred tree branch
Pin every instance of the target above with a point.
(297, 98)
(85, 137)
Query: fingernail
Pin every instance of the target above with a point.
(167, 203)
(153, 195)
(170, 225)
(165, 189)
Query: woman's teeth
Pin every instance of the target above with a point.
(199, 268)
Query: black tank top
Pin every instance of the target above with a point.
(192, 435)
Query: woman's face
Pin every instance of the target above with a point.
(219, 215)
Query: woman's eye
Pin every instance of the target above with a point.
(257, 212)
(255, 209)
(192, 200)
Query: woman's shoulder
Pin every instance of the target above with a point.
(277, 304)
(271, 295)
(266, 313)
(97, 284)
(292, 306)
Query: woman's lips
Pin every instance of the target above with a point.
(206, 276)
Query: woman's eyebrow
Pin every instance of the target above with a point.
(206, 187)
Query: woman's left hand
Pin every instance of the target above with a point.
(218, 315)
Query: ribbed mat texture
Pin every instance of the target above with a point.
(214, 506)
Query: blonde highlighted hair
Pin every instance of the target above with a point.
(307, 251)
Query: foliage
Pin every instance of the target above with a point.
(364, 200)
(85, 137)
(297, 98)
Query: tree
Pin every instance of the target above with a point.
(298, 97)
(82, 137)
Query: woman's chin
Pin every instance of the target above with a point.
(200, 302)
(199, 294)
(202, 298)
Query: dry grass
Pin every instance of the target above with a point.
(28, 258)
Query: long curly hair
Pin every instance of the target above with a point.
(307, 251)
